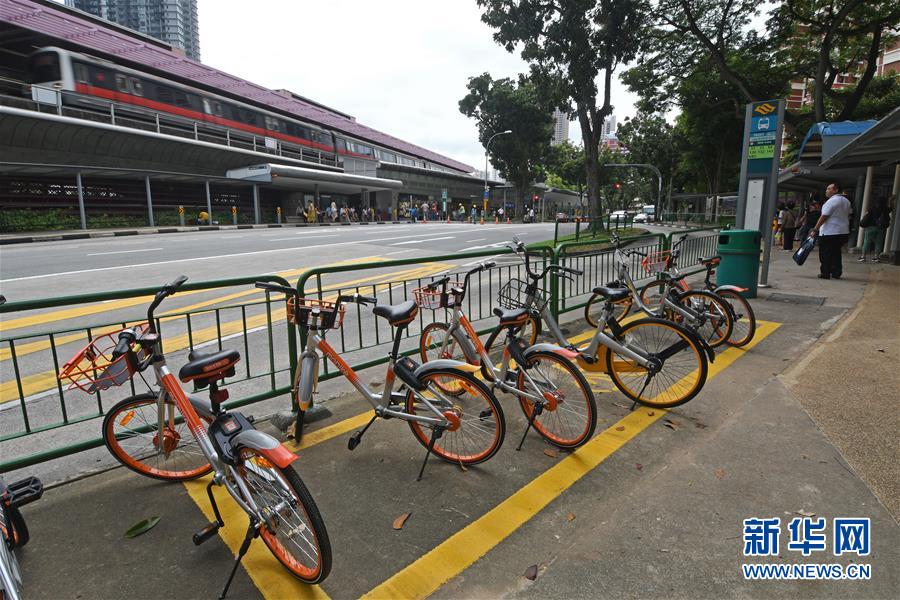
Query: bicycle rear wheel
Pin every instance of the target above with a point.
(292, 529)
(569, 415)
(130, 433)
(744, 318)
(680, 365)
(477, 426)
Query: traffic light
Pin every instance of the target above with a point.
(617, 185)
(535, 198)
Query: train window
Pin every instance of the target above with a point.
(340, 144)
(44, 67)
(273, 124)
(324, 138)
(164, 94)
(121, 83)
(387, 156)
(180, 98)
(407, 161)
(137, 88)
(82, 75)
(207, 106)
(217, 106)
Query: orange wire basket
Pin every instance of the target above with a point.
(438, 298)
(657, 262)
(93, 368)
(314, 314)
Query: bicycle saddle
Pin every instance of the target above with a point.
(515, 316)
(714, 260)
(397, 314)
(209, 366)
(612, 294)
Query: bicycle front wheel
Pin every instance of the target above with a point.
(593, 308)
(477, 426)
(292, 527)
(744, 318)
(130, 431)
(678, 370)
(569, 414)
(715, 316)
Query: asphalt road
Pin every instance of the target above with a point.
(61, 268)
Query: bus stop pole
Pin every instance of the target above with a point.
(770, 201)
(81, 212)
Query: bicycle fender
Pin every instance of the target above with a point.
(266, 445)
(546, 347)
(730, 288)
(444, 363)
(309, 380)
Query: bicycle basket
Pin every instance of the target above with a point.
(438, 298)
(93, 368)
(514, 294)
(656, 262)
(314, 314)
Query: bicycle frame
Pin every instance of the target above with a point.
(477, 354)
(309, 368)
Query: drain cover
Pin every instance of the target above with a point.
(797, 299)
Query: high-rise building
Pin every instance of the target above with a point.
(560, 127)
(609, 126)
(171, 21)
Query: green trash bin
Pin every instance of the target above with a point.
(739, 249)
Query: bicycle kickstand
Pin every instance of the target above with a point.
(435, 434)
(538, 409)
(252, 532)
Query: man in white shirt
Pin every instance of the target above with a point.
(833, 229)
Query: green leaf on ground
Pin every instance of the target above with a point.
(142, 527)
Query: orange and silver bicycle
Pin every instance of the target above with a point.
(463, 428)
(171, 435)
(555, 397)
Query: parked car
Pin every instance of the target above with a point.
(562, 217)
(618, 216)
(641, 218)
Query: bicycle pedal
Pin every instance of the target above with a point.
(354, 440)
(25, 491)
(207, 532)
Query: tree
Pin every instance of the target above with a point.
(650, 140)
(806, 39)
(569, 46)
(565, 165)
(503, 105)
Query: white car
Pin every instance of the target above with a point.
(641, 218)
(619, 215)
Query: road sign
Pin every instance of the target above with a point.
(444, 194)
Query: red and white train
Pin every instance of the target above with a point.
(93, 77)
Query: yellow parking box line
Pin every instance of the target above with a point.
(268, 575)
(326, 433)
(425, 575)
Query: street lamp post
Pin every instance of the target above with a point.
(486, 190)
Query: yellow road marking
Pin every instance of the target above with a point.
(41, 382)
(448, 559)
(268, 575)
(326, 433)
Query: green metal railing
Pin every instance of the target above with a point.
(362, 340)
(182, 331)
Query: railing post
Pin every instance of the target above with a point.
(556, 232)
(81, 212)
(554, 286)
(196, 133)
(157, 123)
(112, 114)
(227, 137)
(577, 229)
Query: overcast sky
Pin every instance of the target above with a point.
(399, 66)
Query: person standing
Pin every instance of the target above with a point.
(809, 219)
(832, 229)
(788, 227)
(875, 224)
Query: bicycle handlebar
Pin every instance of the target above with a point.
(276, 287)
(126, 338)
(356, 299)
(167, 290)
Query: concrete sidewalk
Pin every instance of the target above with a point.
(800, 424)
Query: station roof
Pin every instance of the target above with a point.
(95, 36)
(878, 146)
(303, 179)
(824, 139)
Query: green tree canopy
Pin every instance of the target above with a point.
(501, 105)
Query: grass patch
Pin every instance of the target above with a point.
(602, 238)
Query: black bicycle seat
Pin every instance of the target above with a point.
(612, 294)
(397, 314)
(511, 317)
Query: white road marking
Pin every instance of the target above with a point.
(181, 260)
(295, 239)
(124, 251)
(397, 252)
(476, 240)
(449, 237)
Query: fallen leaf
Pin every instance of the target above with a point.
(638, 466)
(462, 467)
(804, 513)
(650, 413)
(671, 424)
(291, 431)
(621, 405)
(570, 517)
(620, 428)
(881, 350)
(663, 549)
(531, 573)
(550, 453)
(399, 521)
(719, 473)
(142, 527)
(700, 425)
